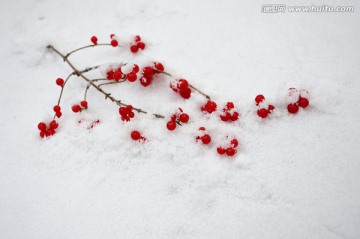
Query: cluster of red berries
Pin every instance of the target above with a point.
(177, 118)
(137, 44)
(229, 113)
(229, 148)
(263, 111)
(57, 110)
(60, 82)
(204, 137)
(297, 99)
(148, 73)
(126, 113)
(181, 87)
(136, 135)
(48, 131)
(114, 73)
(78, 108)
(209, 107)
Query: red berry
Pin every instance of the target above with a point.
(184, 118)
(84, 103)
(234, 143)
(271, 108)
(137, 38)
(131, 76)
(159, 66)
(114, 43)
(131, 114)
(112, 35)
(134, 48)
(42, 134)
(42, 126)
(303, 102)
(94, 40)
(135, 68)
(202, 128)
(206, 139)
(221, 150)
(110, 75)
(141, 45)
(259, 99)
(135, 135)
(117, 75)
(53, 124)
(57, 108)
(185, 93)
(230, 152)
(171, 125)
(76, 108)
(59, 81)
(292, 108)
(263, 113)
(230, 105)
(183, 84)
(225, 117)
(234, 116)
(58, 114)
(148, 72)
(129, 107)
(209, 107)
(50, 132)
(123, 111)
(145, 81)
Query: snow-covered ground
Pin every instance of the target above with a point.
(295, 176)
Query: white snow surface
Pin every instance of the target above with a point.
(294, 176)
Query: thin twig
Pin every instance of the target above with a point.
(84, 47)
(107, 95)
(113, 82)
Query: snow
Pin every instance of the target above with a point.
(295, 176)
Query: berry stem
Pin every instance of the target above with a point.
(91, 82)
(191, 86)
(111, 83)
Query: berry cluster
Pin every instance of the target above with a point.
(148, 73)
(297, 98)
(229, 147)
(209, 107)
(57, 110)
(114, 73)
(126, 113)
(48, 131)
(204, 137)
(78, 108)
(136, 136)
(137, 44)
(181, 87)
(177, 118)
(229, 113)
(263, 110)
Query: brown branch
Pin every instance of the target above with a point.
(191, 86)
(84, 47)
(80, 74)
(111, 83)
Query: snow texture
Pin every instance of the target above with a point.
(295, 176)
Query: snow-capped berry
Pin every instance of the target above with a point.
(230, 105)
(59, 81)
(135, 69)
(76, 108)
(145, 81)
(183, 84)
(293, 108)
(58, 114)
(114, 43)
(57, 108)
(134, 48)
(137, 38)
(42, 126)
(184, 118)
(303, 102)
(259, 99)
(141, 45)
(131, 76)
(135, 135)
(94, 40)
(148, 72)
(171, 125)
(158, 66)
(206, 139)
(263, 113)
(221, 150)
(84, 103)
(209, 107)
(53, 124)
(230, 152)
